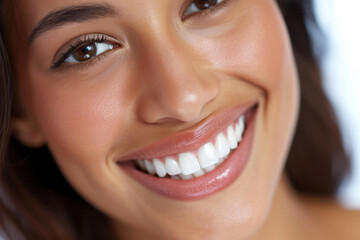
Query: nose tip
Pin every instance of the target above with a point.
(181, 101)
(175, 82)
(184, 107)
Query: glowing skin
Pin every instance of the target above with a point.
(170, 74)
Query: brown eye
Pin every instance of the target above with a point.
(201, 5)
(88, 51)
(204, 4)
(84, 53)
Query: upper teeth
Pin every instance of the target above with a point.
(196, 163)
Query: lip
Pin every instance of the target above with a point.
(212, 182)
(190, 139)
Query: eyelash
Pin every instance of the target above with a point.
(208, 11)
(79, 43)
(103, 38)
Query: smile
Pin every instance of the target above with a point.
(197, 162)
(188, 165)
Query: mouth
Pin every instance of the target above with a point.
(198, 162)
(187, 165)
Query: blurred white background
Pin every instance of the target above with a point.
(340, 20)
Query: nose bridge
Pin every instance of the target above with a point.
(176, 86)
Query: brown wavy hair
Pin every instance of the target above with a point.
(36, 202)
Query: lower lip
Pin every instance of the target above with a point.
(199, 187)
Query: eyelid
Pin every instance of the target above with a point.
(184, 7)
(67, 49)
(205, 12)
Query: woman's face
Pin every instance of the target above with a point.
(104, 82)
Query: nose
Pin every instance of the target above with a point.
(177, 83)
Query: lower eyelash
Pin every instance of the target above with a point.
(76, 45)
(221, 5)
(82, 65)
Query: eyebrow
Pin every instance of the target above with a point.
(72, 14)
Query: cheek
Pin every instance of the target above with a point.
(80, 121)
(255, 49)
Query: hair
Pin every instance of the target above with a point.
(34, 194)
(317, 162)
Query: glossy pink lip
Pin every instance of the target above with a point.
(212, 182)
(190, 139)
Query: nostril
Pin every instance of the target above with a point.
(179, 105)
(176, 91)
(166, 120)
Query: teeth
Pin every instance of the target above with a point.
(239, 128)
(231, 137)
(188, 163)
(221, 160)
(222, 145)
(242, 121)
(141, 164)
(172, 167)
(159, 168)
(207, 155)
(210, 168)
(149, 167)
(199, 173)
(185, 177)
(195, 164)
(238, 132)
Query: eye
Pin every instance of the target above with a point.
(88, 51)
(84, 50)
(199, 5)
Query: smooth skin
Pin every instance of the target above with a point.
(166, 73)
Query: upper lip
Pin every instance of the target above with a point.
(192, 138)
